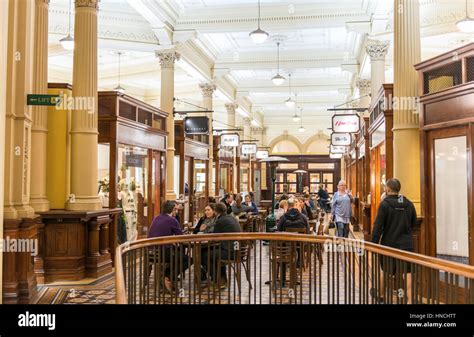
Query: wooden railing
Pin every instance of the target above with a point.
(252, 268)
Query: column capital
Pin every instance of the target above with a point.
(363, 85)
(167, 58)
(87, 3)
(377, 50)
(231, 107)
(207, 89)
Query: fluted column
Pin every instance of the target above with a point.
(84, 182)
(231, 120)
(207, 92)
(377, 51)
(167, 59)
(406, 149)
(39, 129)
(18, 121)
(247, 136)
(364, 89)
(264, 165)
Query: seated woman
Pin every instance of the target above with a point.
(249, 202)
(282, 210)
(207, 222)
(239, 208)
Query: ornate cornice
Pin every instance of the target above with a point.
(207, 89)
(377, 50)
(87, 3)
(167, 58)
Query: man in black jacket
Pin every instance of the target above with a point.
(292, 218)
(225, 223)
(393, 225)
(227, 201)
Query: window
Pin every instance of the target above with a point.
(314, 180)
(291, 182)
(321, 166)
(200, 176)
(280, 180)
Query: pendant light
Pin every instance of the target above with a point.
(278, 79)
(289, 102)
(296, 118)
(68, 42)
(466, 25)
(118, 88)
(259, 36)
(301, 129)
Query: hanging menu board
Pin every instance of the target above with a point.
(261, 154)
(341, 139)
(345, 123)
(196, 125)
(249, 148)
(338, 149)
(230, 140)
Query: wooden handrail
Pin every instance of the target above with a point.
(418, 259)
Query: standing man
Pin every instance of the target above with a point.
(393, 225)
(342, 209)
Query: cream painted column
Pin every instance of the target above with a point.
(264, 165)
(167, 59)
(18, 114)
(3, 81)
(406, 133)
(84, 147)
(39, 130)
(247, 136)
(231, 120)
(364, 87)
(377, 51)
(207, 92)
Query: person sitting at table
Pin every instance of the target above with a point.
(225, 223)
(282, 197)
(282, 210)
(307, 206)
(207, 222)
(238, 208)
(249, 202)
(166, 224)
(300, 205)
(292, 218)
(227, 201)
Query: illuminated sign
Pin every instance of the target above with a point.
(261, 154)
(249, 148)
(230, 140)
(345, 123)
(196, 125)
(341, 139)
(338, 149)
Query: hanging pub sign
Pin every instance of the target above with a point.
(338, 149)
(230, 140)
(261, 154)
(335, 155)
(341, 139)
(249, 148)
(196, 125)
(345, 123)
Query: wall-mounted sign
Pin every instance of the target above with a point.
(341, 139)
(249, 148)
(261, 154)
(345, 123)
(230, 140)
(335, 155)
(196, 125)
(46, 100)
(134, 160)
(337, 149)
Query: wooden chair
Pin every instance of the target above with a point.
(281, 255)
(305, 253)
(242, 257)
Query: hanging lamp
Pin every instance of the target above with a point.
(296, 118)
(278, 79)
(289, 102)
(466, 25)
(68, 42)
(118, 88)
(259, 36)
(301, 128)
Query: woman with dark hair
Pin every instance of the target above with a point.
(207, 222)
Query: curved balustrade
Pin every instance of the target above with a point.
(283, 268)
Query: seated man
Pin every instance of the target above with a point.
(166, 224)
(239, 208)
(227, 201)
(249, 202)
(293, 218)
(225, 223)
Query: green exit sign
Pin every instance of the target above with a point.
(48, 100)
